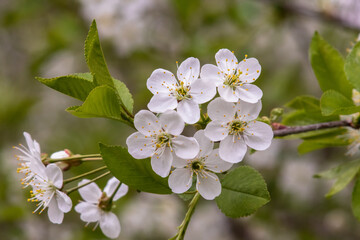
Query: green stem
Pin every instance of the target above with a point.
(88, 156)
(116, 189)
(183, 226)
(84, 175)
(85, 184)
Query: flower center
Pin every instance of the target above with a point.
(237, 127)
(182, 92)
(105, 202)
(197, 165)
(233, 80)
(162, 139)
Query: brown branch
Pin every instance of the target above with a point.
(281, 130)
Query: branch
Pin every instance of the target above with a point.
(281, 130)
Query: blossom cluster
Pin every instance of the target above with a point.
(46, 182)
(177, 101)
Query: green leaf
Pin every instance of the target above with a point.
(243, 192)
(102, 101)
(307, 103)
(136, 173)
(355, 203)
(334, 103)
(124, 94)
(343, 174)
(77, 85)
(302, 117)
(95, 58)
(352, 66)
(312, 145)
(328, 66)
(321, 133)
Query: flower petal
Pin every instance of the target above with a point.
(202, 90)
(54, 213)
(216, 130)
(63, 201)
(251, 70)
(226, 61)
(258, 135)
(88, 212)
(185, 147)
(189, 70)
(214, 163)
(146, 122)
(249, 93)
(162, 102)
(179, 162)
(140, 146)
(248, 111)
(180, 180)
(59, 155)
(110, 225)
(227, 93)
(161, 164)
(208, 185)
(219, 109)
(111, 186)
(212, 73)
(91, 192)
(172, 122)
(161, 81)
(55, 175)
(189, 111)
(232, 149)
(205, 144)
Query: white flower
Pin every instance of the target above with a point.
(97, 205)
(159, 139)
(184, 93)
(204, 165)
(232, 78)
(30, 160)
(233, 124)
(46, 191)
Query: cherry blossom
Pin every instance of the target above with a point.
(234, 78)
(234, 125)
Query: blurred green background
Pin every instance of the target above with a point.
(45, 38)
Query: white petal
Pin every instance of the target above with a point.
(208, 185)
(205, 144)
(38, 168)
(172, 122)
(258, 135)
(110, 187)
(63, 201)
(161, 81)
(59, 155)
(214, 163)
(140, 146)
(249, 93)
(162, 102)
(227, 93)
(88, 212)
(216, 130)
(54, 174)
(180, 180)
(29, 142)
(248, 111)
(110, 225)
(226, 61)
(219, 109)
(161, 164)
(202, 90)
(91, 192)
(189, 111)
(179, 162)
(212, 73)
(251, 70)
(232, 149)
(54, 213)
(185, 147)
(146, 122)
(189, 70)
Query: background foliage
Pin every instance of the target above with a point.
(45, 38)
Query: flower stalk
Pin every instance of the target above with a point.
(85, 184)
(183, 226)
(84, 175)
